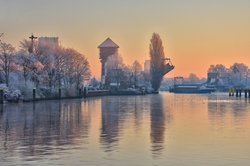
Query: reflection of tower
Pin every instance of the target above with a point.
(110, 123)
(107, 48)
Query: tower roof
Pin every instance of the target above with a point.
(108, 43)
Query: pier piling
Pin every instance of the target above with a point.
(238, 92)
(59, 93)
(231, 92)
(85, 92)
(80, 92)
(34, 94)
(1, 96)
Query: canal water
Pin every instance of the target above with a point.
(153, 130)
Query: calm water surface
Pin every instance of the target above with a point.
(164, 129)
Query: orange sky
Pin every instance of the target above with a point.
(195, 33)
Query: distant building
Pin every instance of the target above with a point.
(221, 80)
(107, 48)
(48, 43)
(213, 77)
(147, 66)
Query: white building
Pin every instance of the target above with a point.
(48, 43)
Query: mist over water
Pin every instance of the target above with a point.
(164, 129)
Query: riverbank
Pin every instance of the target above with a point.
(82, 94)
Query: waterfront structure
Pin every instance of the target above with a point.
(220, 80)
(107, 48)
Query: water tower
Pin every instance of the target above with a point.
(107, 48)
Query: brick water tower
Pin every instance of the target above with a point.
(107, 48)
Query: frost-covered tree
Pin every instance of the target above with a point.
(7, 53)
(193, 78)
(76, 68)
(114, 67)
(25, 46)
(44, 67)
(239, 68)
(136, 70)
(158, 66)
(136, 67)
(219, 68)
(30, 66)
(95, 83)
(62, 67)
(239, 75)
(68, 68)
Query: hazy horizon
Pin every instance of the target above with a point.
(195, 33)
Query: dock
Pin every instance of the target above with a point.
(237, 92)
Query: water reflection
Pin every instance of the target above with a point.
(157, 119)
(127, 130)
(221, 105)
(224, 111)
(41, 129)
(111, 118)
(115, 111)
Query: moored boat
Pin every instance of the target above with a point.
(191, 88)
